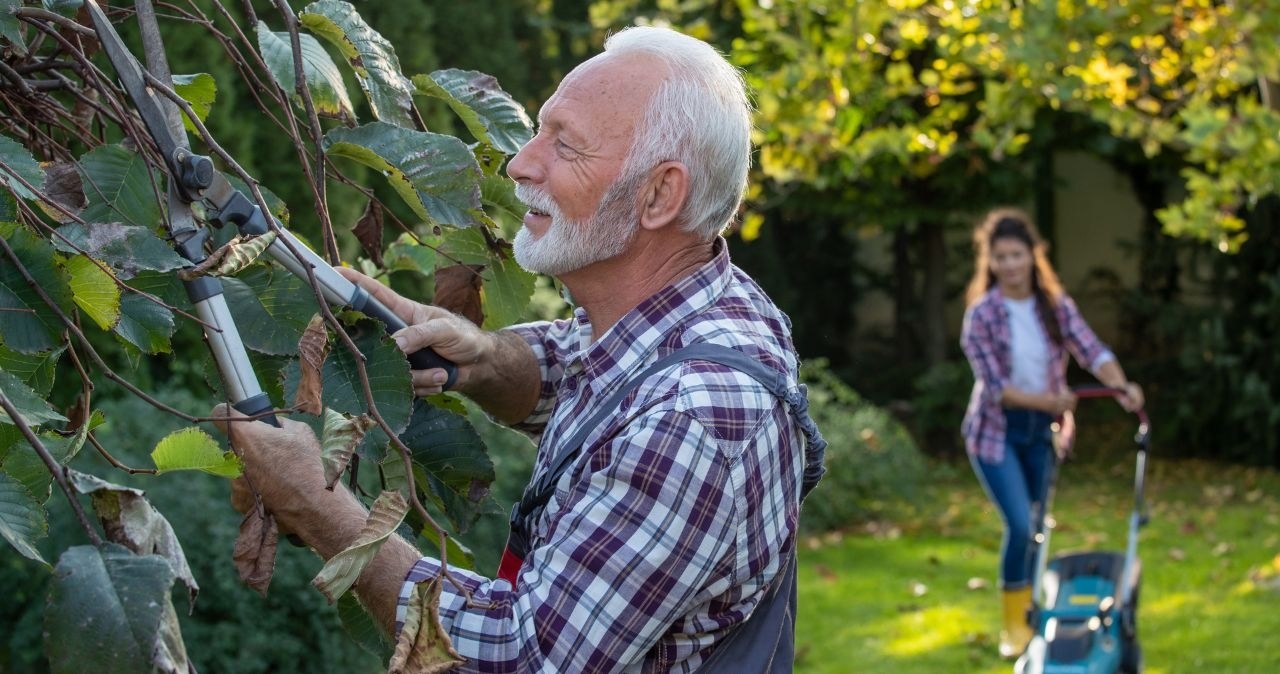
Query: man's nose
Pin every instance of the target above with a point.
(524, 167)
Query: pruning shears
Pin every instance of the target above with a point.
(194, 179)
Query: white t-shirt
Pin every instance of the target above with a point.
(1029, 346)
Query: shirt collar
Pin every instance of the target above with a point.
(630, 341)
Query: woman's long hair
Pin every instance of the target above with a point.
(1011, 223)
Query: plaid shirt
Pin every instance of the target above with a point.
(985, 338)
(680, 508)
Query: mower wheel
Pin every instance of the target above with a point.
(1131, 659)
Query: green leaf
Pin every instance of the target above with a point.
(464, 246)
(324, 80)
(144, 323)
(11, 28)
(31, 407)
(112, 608)
(342, 570)
(459, 555)
(193, 449)
(119, 187)
(129, 519)
(200, 90)
(35, 370)
(271, 308)
(507, 290)
(359, 625)
(27, 323)
(94, 291)
(498, 192)
(24, 465)
(66, 8)
(342, 391)
(405, 254)
(458, 468)
(489, 113)
(436, 175)
(16, 164)
(22, 519)
(127, 249)
(389, 92)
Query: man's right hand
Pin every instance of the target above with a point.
(450, 335)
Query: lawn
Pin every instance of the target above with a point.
(918, 595)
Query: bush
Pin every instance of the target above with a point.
(230, 628)
(872, 462)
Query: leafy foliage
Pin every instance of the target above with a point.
(88, 283)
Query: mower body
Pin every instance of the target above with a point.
(1087, 623)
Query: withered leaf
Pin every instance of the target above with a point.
(232, 257)
(255, 551)
(342, 570)
(368, 231)
(341, 434)
(314, 349)
(423, 646)
(62, 186)
(129, 519)
(458, 290)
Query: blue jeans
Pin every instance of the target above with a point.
(1014, 484)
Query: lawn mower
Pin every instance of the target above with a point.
(1085, 604)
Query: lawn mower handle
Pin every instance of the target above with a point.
(1144, 423)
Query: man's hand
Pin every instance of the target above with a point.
(283, 466)
(450, 335)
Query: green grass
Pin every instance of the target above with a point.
(918, 595)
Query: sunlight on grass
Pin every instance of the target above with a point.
(929, 630)
(1168, 604)
(923, 601)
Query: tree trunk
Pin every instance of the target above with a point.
(933, 322)
(904, 297)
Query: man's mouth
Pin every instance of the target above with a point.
(534, 211)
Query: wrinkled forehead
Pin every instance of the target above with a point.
(609, 90)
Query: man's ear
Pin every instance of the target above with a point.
(664, 195)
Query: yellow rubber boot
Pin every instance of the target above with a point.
(1016, 633)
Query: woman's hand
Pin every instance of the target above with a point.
(1058, 403)
(1132, 399)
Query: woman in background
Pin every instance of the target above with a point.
(1018, 329)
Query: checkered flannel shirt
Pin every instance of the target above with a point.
(680, 509)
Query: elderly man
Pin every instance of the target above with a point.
(661, 518)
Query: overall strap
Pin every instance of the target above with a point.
(539, 492)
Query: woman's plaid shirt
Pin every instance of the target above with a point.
(985, 338)
(680, 508)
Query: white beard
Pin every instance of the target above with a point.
(569, 245)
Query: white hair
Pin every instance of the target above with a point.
(699, 116)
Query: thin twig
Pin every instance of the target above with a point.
(317, 135)
(75, 329)
(55, 469)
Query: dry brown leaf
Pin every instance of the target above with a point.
(423, 646)
(368, 231)
(62, 185)
(313, 348)
(255, 551)
(340, 436)
(458, 290)
(341, 571)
